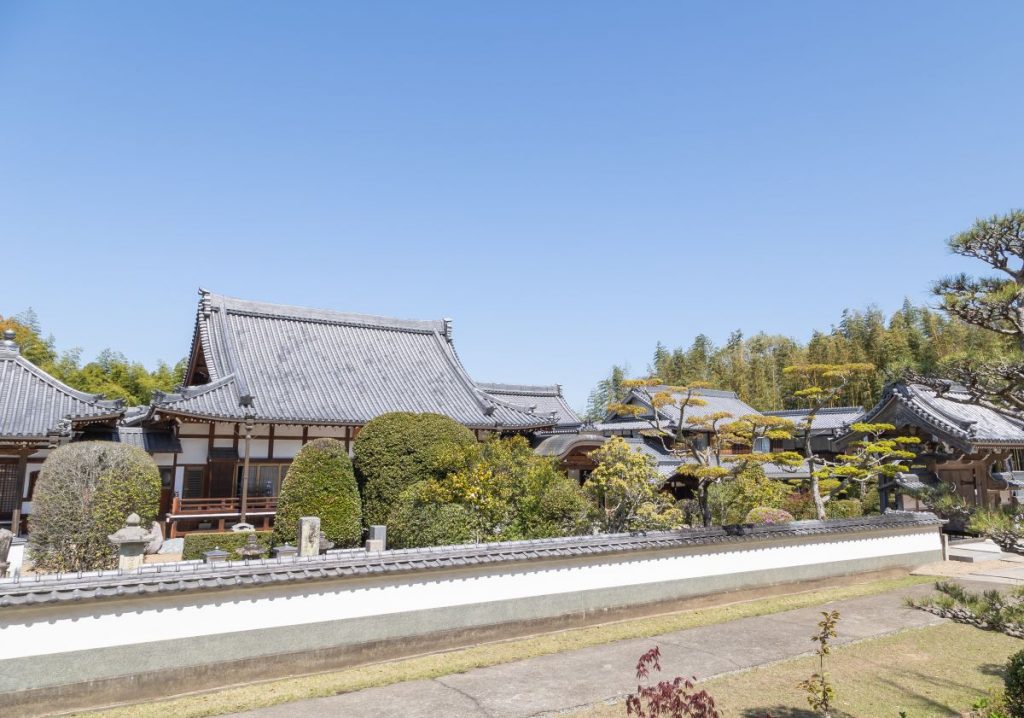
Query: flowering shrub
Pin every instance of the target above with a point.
(766, 516)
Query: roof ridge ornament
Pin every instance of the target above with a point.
(9, 345)
(448, 328)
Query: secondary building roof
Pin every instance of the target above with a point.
(828, 420)
(715, 400)
(542, 400)
(947, 417)
(285, 364)
(35, 406)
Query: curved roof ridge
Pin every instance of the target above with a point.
(236, 305)
(525, 389)
(926, 397)
(97, 399)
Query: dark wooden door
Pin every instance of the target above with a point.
(166, 490)
(222, 479)
(10, 490)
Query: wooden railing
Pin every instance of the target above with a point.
(227, 505)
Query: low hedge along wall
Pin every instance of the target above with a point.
(196, 544)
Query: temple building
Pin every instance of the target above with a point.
(263, 379)
(37, 414)
(972, 448)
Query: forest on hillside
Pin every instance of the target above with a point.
(914, 338)
(111, 373)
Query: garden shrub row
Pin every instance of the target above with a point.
(198, 543)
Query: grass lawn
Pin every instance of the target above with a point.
(935, 671)
(459, 661)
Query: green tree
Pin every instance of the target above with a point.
(706, 442)
(872, 463)
(320, 482)
(418, 519)
(84, 493)
(994, 303)
(608, 390)
(510, 493)
(396, 450)
(820, 386)
(624, 485)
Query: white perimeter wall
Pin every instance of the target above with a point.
(140, 621)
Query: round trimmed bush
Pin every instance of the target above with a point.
(84, 493)
(844, 508)
(417, 521)
(397, 450)
(320, 482)
(1014, 682)
(767, 516)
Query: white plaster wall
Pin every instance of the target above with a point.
(193, 451)
(286, 448)
(338, 602)
(258, 448)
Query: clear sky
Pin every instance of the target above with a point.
(570, 181)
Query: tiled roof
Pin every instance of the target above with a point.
(716, 400)
(180, 577)
(539, 400)
(829, 419)
(34, 404)
(964, 425)
(313, 366)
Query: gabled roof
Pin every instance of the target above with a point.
(288, 364)
(35, 405)
(541, 400)
(828, 420)
(716, 400)
(963, 425)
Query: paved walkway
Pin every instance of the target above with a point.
(559, 682)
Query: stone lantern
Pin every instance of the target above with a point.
(131, 543)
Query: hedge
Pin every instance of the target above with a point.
(198, 543)
(767, 516)
(84, 493)
(415, 522)
(844, 508)
(397, 450)
(320, 482)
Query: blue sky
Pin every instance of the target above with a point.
(570, 181)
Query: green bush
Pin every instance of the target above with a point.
(198, 543)
(844, 508)
(767, 516)
(1014, 681)
(417, 520)
(320, 482)
(397, 450)
(731, 500)
(84, 493)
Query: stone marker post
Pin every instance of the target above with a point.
(309, 536)
(131, 544)
(6, 537)
(377, 540)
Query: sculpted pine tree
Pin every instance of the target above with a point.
(994, 303)
(821, 386)
(706, 442)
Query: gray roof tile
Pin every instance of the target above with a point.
(539, 400)
(829, 419)
(313, 366)
(33, 404)
(171, 578)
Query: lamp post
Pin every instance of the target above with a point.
(248, 426)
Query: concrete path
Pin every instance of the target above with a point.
(559, 682)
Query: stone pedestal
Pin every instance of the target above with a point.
(131, 542)
(377, 540)
(309, 536)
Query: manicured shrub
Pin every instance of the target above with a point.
(417, 519)
(731, 500)
(844, 508)
(399, 449)
(767, 516)
(84, 493)
(320, 482)
(1014, 681)
(198, 543)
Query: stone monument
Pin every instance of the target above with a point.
(309, 536)
(6, 537)
(131, 542)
